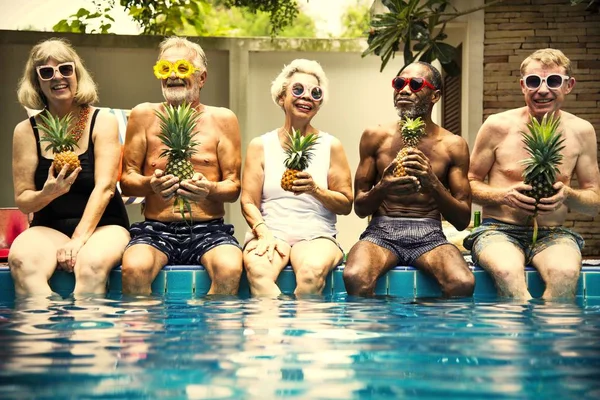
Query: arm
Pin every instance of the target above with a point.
(24, 164)
(586, 199)
(367, 195)
(337, 198)
(482, 159)
(107, 151)
(227, 190)
(252, 184)
(133, 181)
(454, 204)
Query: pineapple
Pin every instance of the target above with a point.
(177, 126)
(412, 130)
(61, 142)
(543, 143)
(299, 151)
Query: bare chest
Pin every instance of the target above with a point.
(511, 152)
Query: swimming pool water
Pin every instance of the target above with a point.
(333, 348)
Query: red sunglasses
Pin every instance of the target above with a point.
(415, 84)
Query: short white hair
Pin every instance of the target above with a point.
(303, 66)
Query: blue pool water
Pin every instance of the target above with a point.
(333, 348)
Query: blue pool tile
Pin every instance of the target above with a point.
(7, 287)
(338, 281)
(535, 284)
(427, 286)
(160, 283)
(202, 282)
(381, 288)
(580, 286)
(115, 281)
(484, 284)
(62, 282)
(592, 284)
(180, 281)
(328, 289)
(244, 290)
(287, 281)
(401, 283)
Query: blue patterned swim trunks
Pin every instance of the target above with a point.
(181, 243)
(407, 238)
(492, 230)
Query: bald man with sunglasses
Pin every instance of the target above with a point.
(406, 228)
(504, 244)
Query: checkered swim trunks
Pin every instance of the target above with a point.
(182, 244)
(493, 231)
(407, 238)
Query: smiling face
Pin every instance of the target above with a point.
(176, 90)
(415, 104)
(543, 99)
(303, 106)
(60, 88)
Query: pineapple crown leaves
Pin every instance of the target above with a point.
(412, 130)
(177, 125)
(299, 150)
(544, 143)
(57, 132)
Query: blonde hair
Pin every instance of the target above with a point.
(300, 65)
(548, 57)
(199, 58)
(30, 93)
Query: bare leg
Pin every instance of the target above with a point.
(224, 266)
(141, 264)
(505, 262)
(448, 267)
(100, 254)
(32, 260)
(366, 263)
(263, 273)
(559, 265)
(312, 260)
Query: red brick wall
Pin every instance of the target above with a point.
(516, 28)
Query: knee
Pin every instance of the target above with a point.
(228, 270)
(136, 268)
(563, 274)
(460, 284)
(91, 270)
(310, 277)
(355, 278)
(22, 264)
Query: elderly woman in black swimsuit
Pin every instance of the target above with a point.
(79, 221)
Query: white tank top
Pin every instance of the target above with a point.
(295, 217)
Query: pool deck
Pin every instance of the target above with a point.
(401, 281)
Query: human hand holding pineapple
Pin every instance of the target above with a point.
(165, 185)
(415, 163)
(399, 186)
(544, 143)
(197, 188)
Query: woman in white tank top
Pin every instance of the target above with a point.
(294, 227)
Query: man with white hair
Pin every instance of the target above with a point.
(168, 236)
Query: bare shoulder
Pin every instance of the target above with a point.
(106, 117)
(376, 134)
(219, 113)
(336, 144)
(23, 129)
(255, 145)
(145, 110)
(577, 125)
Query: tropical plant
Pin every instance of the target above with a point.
(299, 151)
(411, 130)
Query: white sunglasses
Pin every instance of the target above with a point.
(553, 81)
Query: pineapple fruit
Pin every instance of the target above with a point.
(60, 141)
(412, 130)
(544, 143)
(299, 151)
(177, 125)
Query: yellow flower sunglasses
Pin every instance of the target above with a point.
(182, 68)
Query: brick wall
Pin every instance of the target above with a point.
(516, 28)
